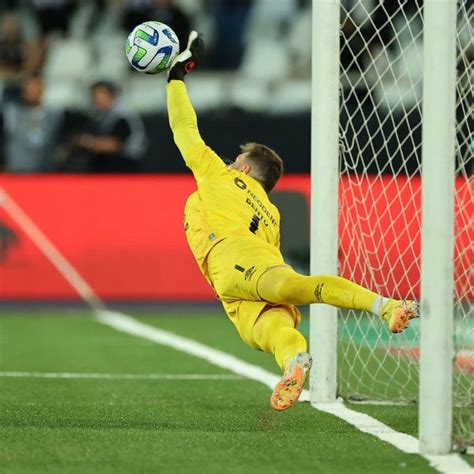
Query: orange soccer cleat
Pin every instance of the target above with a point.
(289, 388)
(397, 314)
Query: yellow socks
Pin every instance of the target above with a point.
(284, 285)
(274, 332)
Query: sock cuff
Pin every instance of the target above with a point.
(378, 304)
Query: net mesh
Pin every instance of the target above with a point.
(463, 394)
(380, 200)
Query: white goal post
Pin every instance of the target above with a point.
(324, 191)
(364, 112)
(437, 249)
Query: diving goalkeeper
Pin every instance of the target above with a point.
(233, 230)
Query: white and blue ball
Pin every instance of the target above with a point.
(151, 47)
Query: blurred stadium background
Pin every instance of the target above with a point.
(66, 92)
(244, 78)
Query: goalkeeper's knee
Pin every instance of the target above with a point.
(280, 285)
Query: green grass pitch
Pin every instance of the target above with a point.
(158, 425)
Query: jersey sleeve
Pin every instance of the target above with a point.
(199, 158)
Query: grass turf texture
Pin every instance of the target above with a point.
(184, 426)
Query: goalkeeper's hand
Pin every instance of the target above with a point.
(186, 61)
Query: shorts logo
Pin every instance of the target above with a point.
(318, 293)
(249, 273)
(212, 237)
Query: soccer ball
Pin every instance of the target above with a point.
(151, 47)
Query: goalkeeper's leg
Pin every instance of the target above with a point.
(275, 332)
(283, 285)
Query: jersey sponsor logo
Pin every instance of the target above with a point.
(261, 211)
(240, 183)
(261, 206)
(254, 224)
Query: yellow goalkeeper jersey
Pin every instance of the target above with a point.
(227, 203)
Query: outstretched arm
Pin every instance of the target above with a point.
(182, 117)
(183, 120)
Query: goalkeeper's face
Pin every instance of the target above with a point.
(241, 164)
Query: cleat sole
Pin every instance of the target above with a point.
(401, 319)
(288, 390)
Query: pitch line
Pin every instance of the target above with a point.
(99, 376)
(57, 259)
(445, 464)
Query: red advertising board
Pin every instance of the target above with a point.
(124, 235)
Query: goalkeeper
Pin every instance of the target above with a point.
(233, 230)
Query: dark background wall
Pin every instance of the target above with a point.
(225, 131)
(368, 143)
(290, 135)
(394, 147)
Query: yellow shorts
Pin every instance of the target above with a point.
(234, 267)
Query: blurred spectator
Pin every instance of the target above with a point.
(18, 56)
(137, 11)
(30, 131)
(53, 15)
(166, 12)
(356, 33)
(12, 47)
(269, 18)
(378, 19)
(230, 24)
(132, 12)
(115, 139)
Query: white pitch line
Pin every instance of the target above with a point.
(126, 324)
(57, 259)
(79, 375)
(445, 464)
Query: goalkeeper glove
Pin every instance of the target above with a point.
(186, 61)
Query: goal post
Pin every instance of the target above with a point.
(392, 91)
(437, 250)
(324, 192)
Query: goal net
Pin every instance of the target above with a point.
(381, 76)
